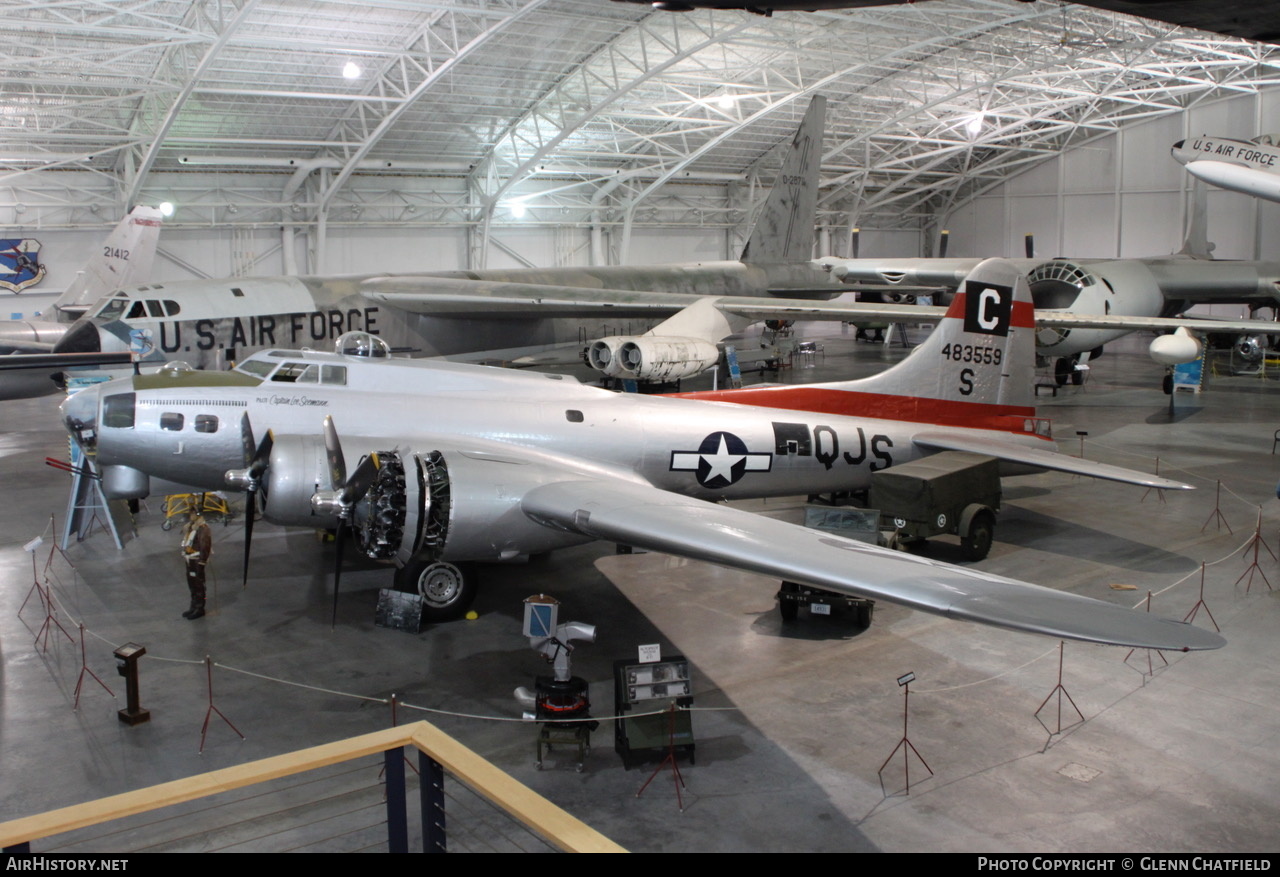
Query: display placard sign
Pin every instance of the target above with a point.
(649, 654)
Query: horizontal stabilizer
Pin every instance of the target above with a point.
(1042, 459)
(644, 516)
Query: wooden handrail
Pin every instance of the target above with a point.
(500, 788)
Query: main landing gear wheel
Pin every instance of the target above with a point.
(446, 589)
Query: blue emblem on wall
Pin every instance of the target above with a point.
(20, 264)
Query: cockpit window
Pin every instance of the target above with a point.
(154, 308)
(113, 309)
(289, 372)
(118, 410)
(310, 375)
(256, 367)
(137, 312)
(171, 308)
(334, 374)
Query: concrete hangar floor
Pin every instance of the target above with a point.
(793, 719)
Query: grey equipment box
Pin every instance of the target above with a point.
(949, 492)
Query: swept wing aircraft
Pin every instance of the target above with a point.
(501, 314)
(453, 463)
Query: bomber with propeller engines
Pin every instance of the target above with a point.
(462, 463)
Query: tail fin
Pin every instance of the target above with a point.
(975, 369)
(981, 353)
(125, 259)
(1197, 240)
(784, 229)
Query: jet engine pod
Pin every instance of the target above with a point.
(656, 358)
(1175, 349)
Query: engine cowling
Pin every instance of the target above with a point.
(452, 506)
(602, 356)
(298, 467)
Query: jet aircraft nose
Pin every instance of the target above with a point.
(82, 337)
(80, 417)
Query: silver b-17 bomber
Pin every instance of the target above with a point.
(453, 463)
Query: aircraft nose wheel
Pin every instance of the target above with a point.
(446, 589)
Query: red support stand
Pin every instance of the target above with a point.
(208, 663)
(1150, 665)
(1216, 514)
(50, 618)
(1201, 604)
(1256, 541)
(669, 758)
(1159, 490)
(84, 668)
(1062, 692)
(907, 747)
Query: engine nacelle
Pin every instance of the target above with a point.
(1175, 349)
(454, 506)
(665, 358)
(299, 466)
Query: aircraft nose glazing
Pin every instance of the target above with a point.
(80, 417)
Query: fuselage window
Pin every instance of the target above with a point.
(573, 416)
(335, 375)
(117, 411)
(171, 421)
(206, 423)
(237, 292)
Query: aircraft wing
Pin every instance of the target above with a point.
(19, 361)
(1042, 459)
(463, 297)
(641, 515)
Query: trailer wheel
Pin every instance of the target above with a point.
(977, 541)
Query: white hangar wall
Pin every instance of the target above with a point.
(1122, 194)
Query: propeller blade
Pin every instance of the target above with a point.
(854, 234)
(337, 572)
(333, 447)
(1030, 245)
(944, 237)
(257, 467)
(361, 480)
(250, 509)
